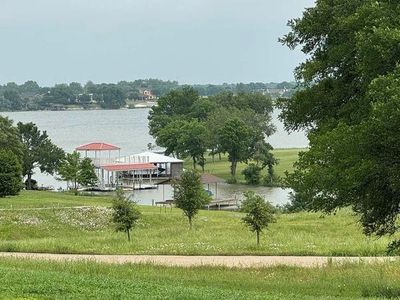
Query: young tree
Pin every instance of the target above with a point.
(259, 213)
(10, 174)
(87, 176)
(189, 194)
(38, 151)
(69, 169)
(125, 213)
(73, 169)
(349, 104)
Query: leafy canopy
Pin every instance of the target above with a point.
(350, 106)
(38, 151)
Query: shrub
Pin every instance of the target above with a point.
(252, 174)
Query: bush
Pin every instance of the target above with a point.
(297, 203)
(252, 174)
(10, 174)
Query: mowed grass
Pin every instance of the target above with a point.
(165, 231)
(221, 168)
(87, 280)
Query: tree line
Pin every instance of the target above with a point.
(23, 148)
(190, 126)
(31, 96)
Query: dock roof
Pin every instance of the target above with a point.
(97, 146)
(128, 167)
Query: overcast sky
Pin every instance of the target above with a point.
(192, 41)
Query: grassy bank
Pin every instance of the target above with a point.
(50, 280)
(221, 168)
(88, 230)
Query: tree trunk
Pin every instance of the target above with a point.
(258, 238)
(190, 223)
(219, 155)
(194, 163)
(29, 181)
(233, 168)
(129, 235)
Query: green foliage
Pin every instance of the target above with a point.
(252, 174)
(188, 125)
(73, 169)
(87, 175)
(38, 151)
(125, 213)
(238, 140)
(259, 213)
(10, 174)
(350, 103)
(9, 138)
(189, 194)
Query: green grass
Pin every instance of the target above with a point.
(51, 199)
(88, 230)
(86, 280)
(221, 168)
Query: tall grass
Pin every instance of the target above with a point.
(89, 230)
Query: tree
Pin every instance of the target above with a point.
(125, 213)
(9, 138)
(69, 169)
(189, 194)
(349, 105)
(252, 174)
(38, 151)
(192, 142)
(259, 213)
(73, 169)
(238, 140)
(10, 173)
(112, 97)
(87, 175)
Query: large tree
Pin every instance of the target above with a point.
(38, 152)
(10, 173)
(9, 138)
(349, 104)
(238, 140)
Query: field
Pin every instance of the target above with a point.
(47, 226)
(86, 280)
(221, 168)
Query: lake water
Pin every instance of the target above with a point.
(129, 130)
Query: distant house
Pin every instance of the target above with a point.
(146, 95)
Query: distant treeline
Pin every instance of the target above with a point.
(31, 96)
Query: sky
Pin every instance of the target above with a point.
(191, 41)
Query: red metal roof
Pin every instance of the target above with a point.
(129, 167)
(97, 147)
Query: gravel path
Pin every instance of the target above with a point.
(191, 261)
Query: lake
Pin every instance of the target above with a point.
(128, 129)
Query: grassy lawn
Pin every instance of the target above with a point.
(88, 230)
(221, 168)
(85, 280)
